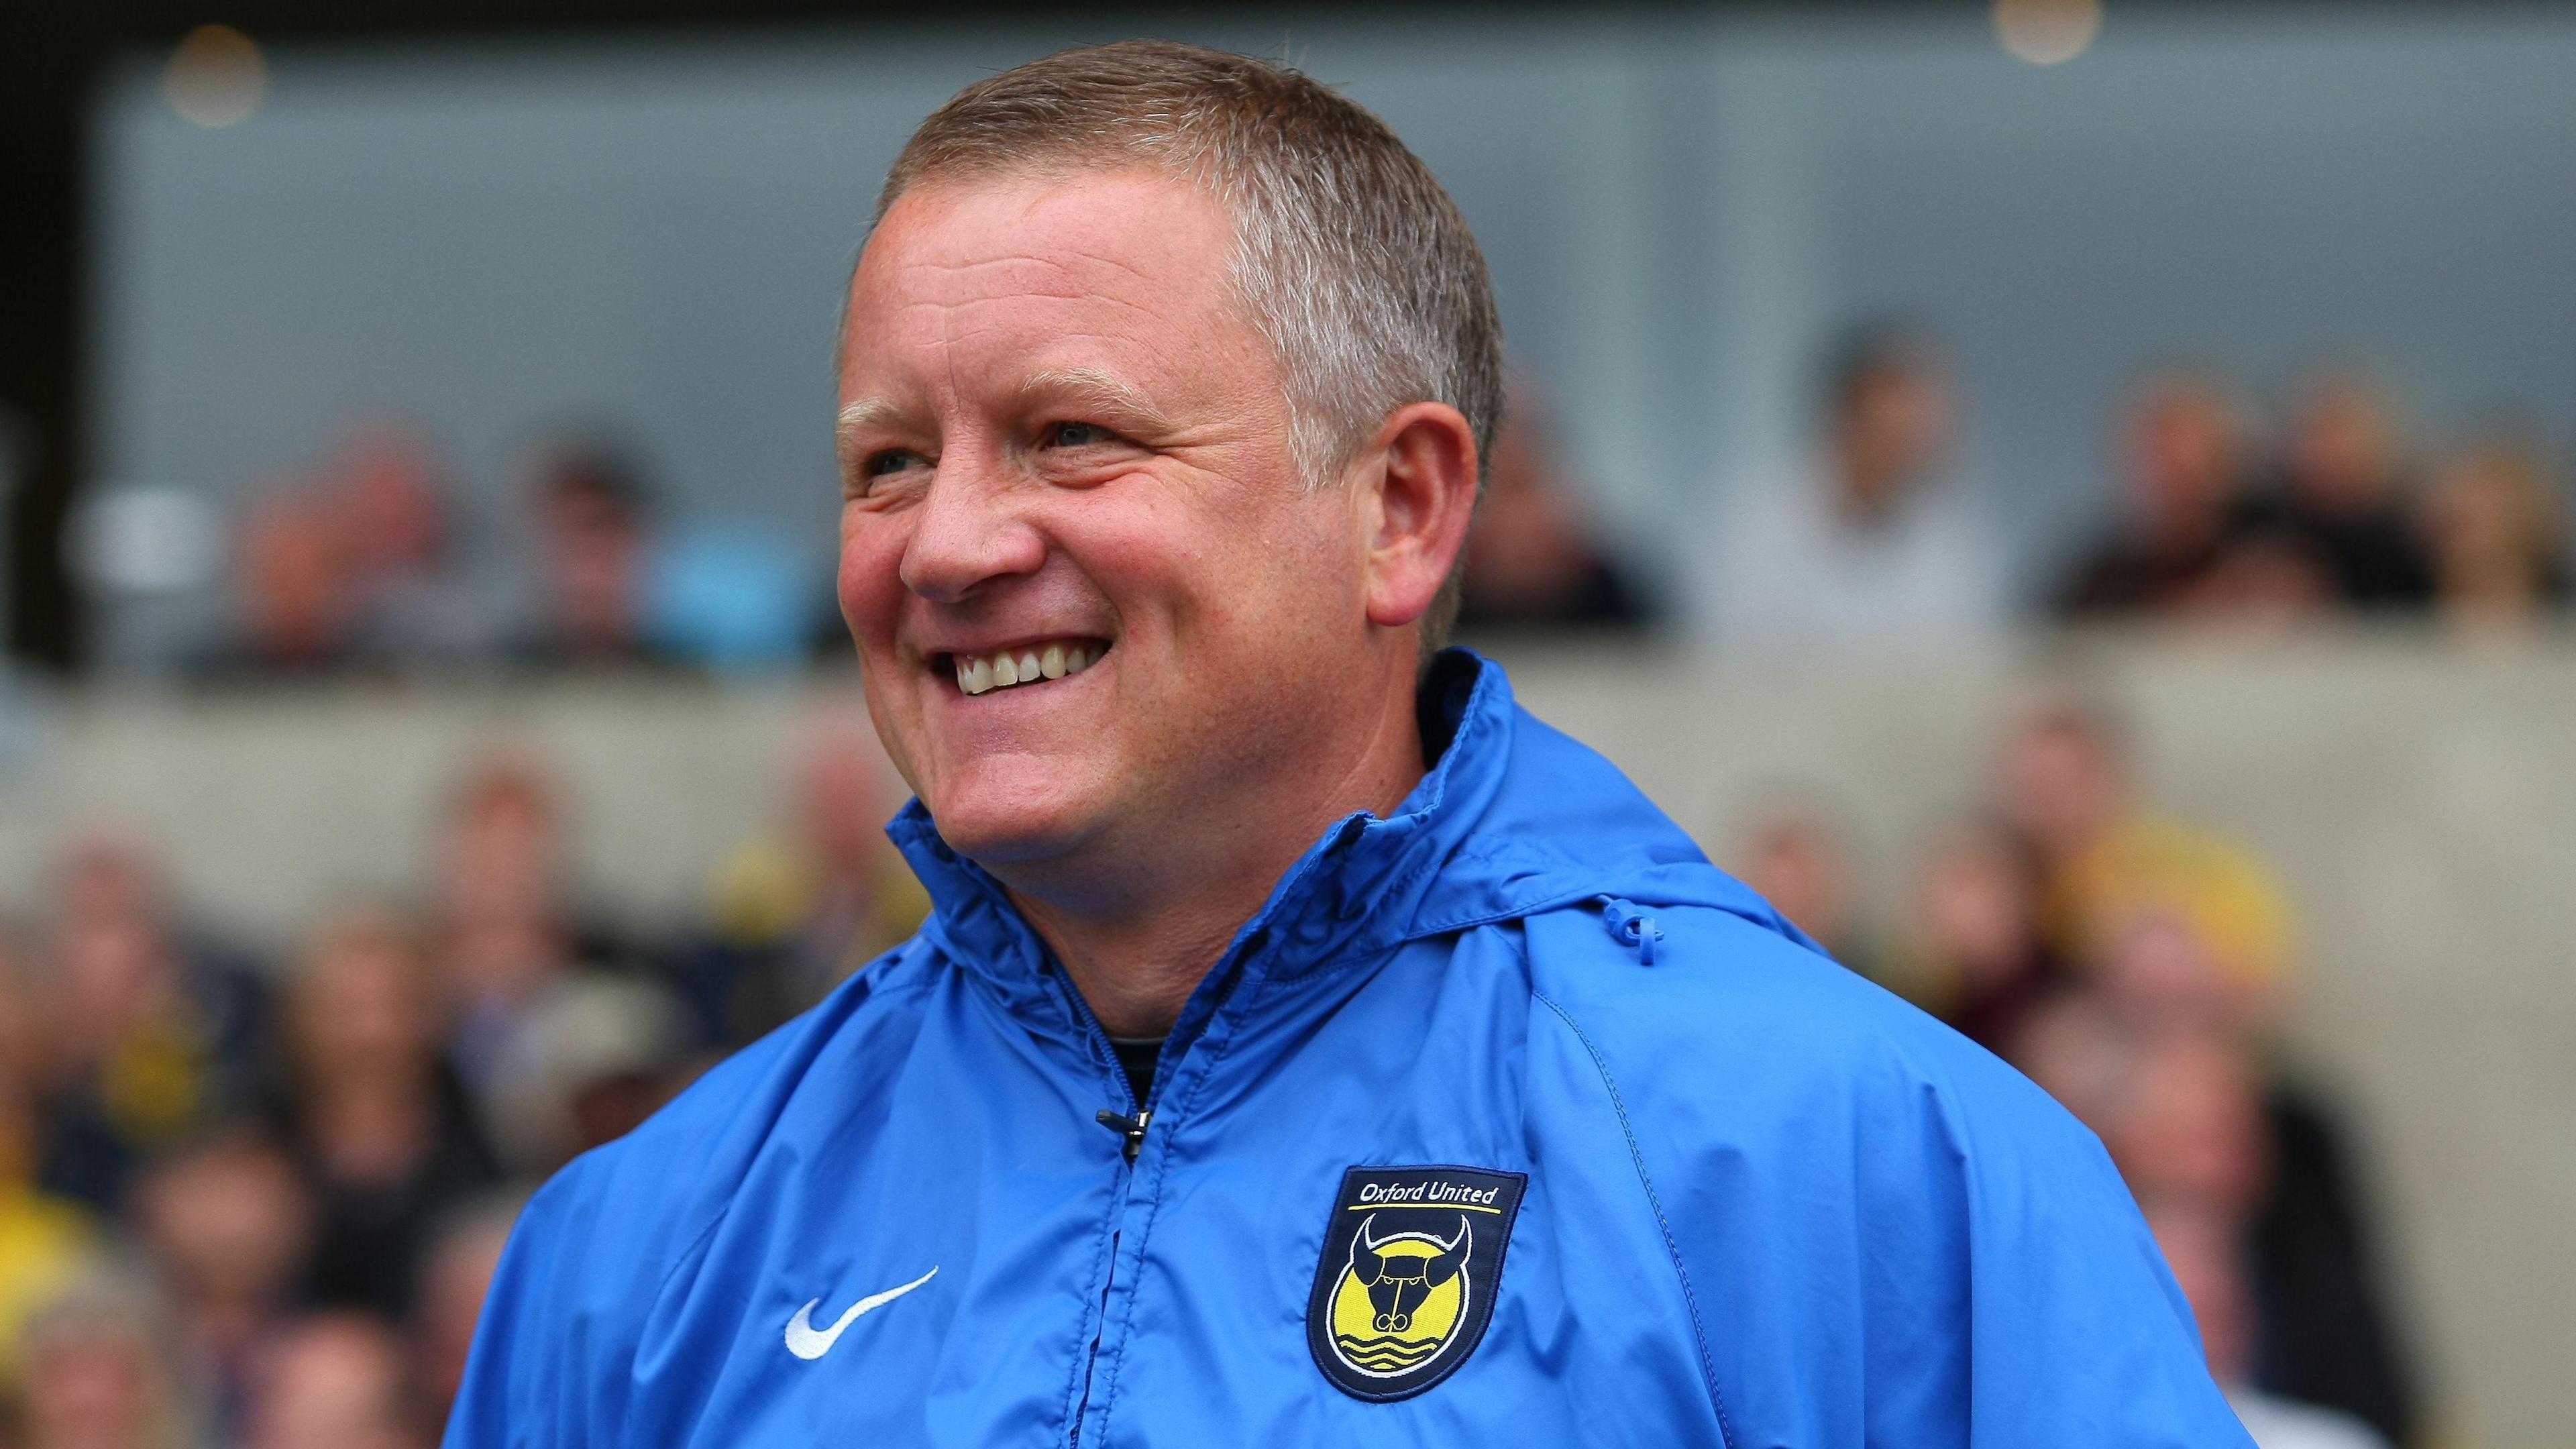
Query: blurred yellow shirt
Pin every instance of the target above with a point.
(2213, 886)
(44, 1243)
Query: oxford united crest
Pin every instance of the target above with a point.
(1412, 1259)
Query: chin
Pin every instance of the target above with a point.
(991, 824)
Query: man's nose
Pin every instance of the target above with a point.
(968, 532)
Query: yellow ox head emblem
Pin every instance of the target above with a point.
(1401, 1297)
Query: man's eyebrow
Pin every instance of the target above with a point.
(1085, 386)
(1075, 386)
(864, 416)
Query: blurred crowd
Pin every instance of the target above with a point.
(2222, 512)
(258, 1202)
(367, 562)
(2221, 509)
(2135, 966)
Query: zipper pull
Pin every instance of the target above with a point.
(1131, 1128)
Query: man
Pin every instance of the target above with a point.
(1871, 545)
(2344, 490)
(1450, 1096)
(2180, 445)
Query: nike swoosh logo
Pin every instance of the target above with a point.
(808, 1342)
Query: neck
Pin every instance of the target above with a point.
(1137, 953)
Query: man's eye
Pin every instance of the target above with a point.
(1077, 435)
(892, 460)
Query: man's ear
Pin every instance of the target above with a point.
(1417, 495)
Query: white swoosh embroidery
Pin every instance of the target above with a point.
(808, 1342)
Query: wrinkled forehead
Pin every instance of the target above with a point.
(1063, 230)
(996, 281)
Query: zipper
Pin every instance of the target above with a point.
(1131, 1126)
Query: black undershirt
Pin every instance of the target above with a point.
(1136, 1057)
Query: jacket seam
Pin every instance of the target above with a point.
(1672, 1245)
(1335, 963)
(662, 1288)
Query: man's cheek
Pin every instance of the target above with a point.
(869, 583)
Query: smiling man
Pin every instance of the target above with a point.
(1450, 1097)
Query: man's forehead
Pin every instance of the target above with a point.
(1032, 280)
(1066, 233)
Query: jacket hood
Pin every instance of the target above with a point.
(1513, 818)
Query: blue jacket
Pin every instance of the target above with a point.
(1509, 1120)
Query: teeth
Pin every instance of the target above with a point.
(982, 673)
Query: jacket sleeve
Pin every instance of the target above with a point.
(1884, 1235)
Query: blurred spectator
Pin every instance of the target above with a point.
(2493, 524)
(1797, 854)
(295, 586)
(2160, 973)
(507, 940)
(1975, 936)
(45, 1241)
(2343, 489)
(27, 1036)
(2181, 453)
(1531, 560)
(1875, 544)
(2104, 859)
(2201, 1246)
(598, 1055)
(2328, 1332)
(153, 1030)
(594, 533)
(2079, 1051)
(334, 1381)
(99, 1374)
(795, 913)
(412, 601)
(2189, 1124)
(502, 927)
(2190, 1120)
(380, 1122)
(456, 1273)
(2181, 947)
(230, 1225)
(2269, 573)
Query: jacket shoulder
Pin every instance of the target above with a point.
(593, 1251)
(1944, 1253)
(1733, 1008)
(675, 1174)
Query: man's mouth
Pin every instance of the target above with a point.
(1024, 664)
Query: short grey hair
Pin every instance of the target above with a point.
(1350, 259)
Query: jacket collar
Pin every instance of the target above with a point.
(1512, 817)
(1355, 890)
